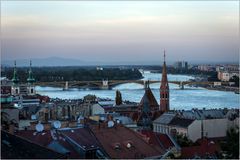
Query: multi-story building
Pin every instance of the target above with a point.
(196, 124)
(227, 75)
(207, 68)
(181, 65)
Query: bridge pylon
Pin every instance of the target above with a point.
(66, 86)
(105, 84)
(181, 85)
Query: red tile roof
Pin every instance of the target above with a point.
(114, 141)
(156, 138)
(44, 139)
(206, 147)
(82, 136)
(21, 148)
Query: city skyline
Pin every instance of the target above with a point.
(121, 31)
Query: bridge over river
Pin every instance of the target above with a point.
(106, 84)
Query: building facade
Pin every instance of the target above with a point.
(202, 123)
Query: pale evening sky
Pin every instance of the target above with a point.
(120, 31)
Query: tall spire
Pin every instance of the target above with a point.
(15, 78)
(164, 88)
(30, 75)
(164, 56)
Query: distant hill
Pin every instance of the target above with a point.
(57, 61)
(51, 61)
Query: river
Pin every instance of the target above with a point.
(188, 98)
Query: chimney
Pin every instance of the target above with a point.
(11, 128)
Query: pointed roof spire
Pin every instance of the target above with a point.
(164, 80)
(164, 55)
(164, 88)
(30, 75)
(15, 78)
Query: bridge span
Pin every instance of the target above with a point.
(106, 84)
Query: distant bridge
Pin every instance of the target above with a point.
(105, 84)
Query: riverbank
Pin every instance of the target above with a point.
(224, 88)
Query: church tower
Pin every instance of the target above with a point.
(164, 89)
(15, 86)
(30, 80)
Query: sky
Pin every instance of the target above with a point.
(127, 31)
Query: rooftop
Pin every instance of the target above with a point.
(206, 149)
(202, 114)
(165, 118)
(50, 140)
(15, 147)
(151, 100)
(82, 136)
(121, 142)
(181, 122)
(158, 139)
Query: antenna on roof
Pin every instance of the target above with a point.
(57, 124)
(39, 127)
(110, 124)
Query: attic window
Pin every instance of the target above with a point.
(128, 144)
(117, 146)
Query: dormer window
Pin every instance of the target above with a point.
(117, 146)
(128, 144)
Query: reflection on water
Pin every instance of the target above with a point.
(188, 98)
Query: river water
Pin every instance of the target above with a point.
(190, 97)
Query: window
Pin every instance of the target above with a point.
(128, 144)
(117, 146)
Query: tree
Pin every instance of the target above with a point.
(183, 140)
(118, 98)
(236, 80)
(231, 145)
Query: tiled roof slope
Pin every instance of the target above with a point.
(45, 139)
(115, 141)
(181, 122)
(15, 147)
(165, 118)
(151, 99)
